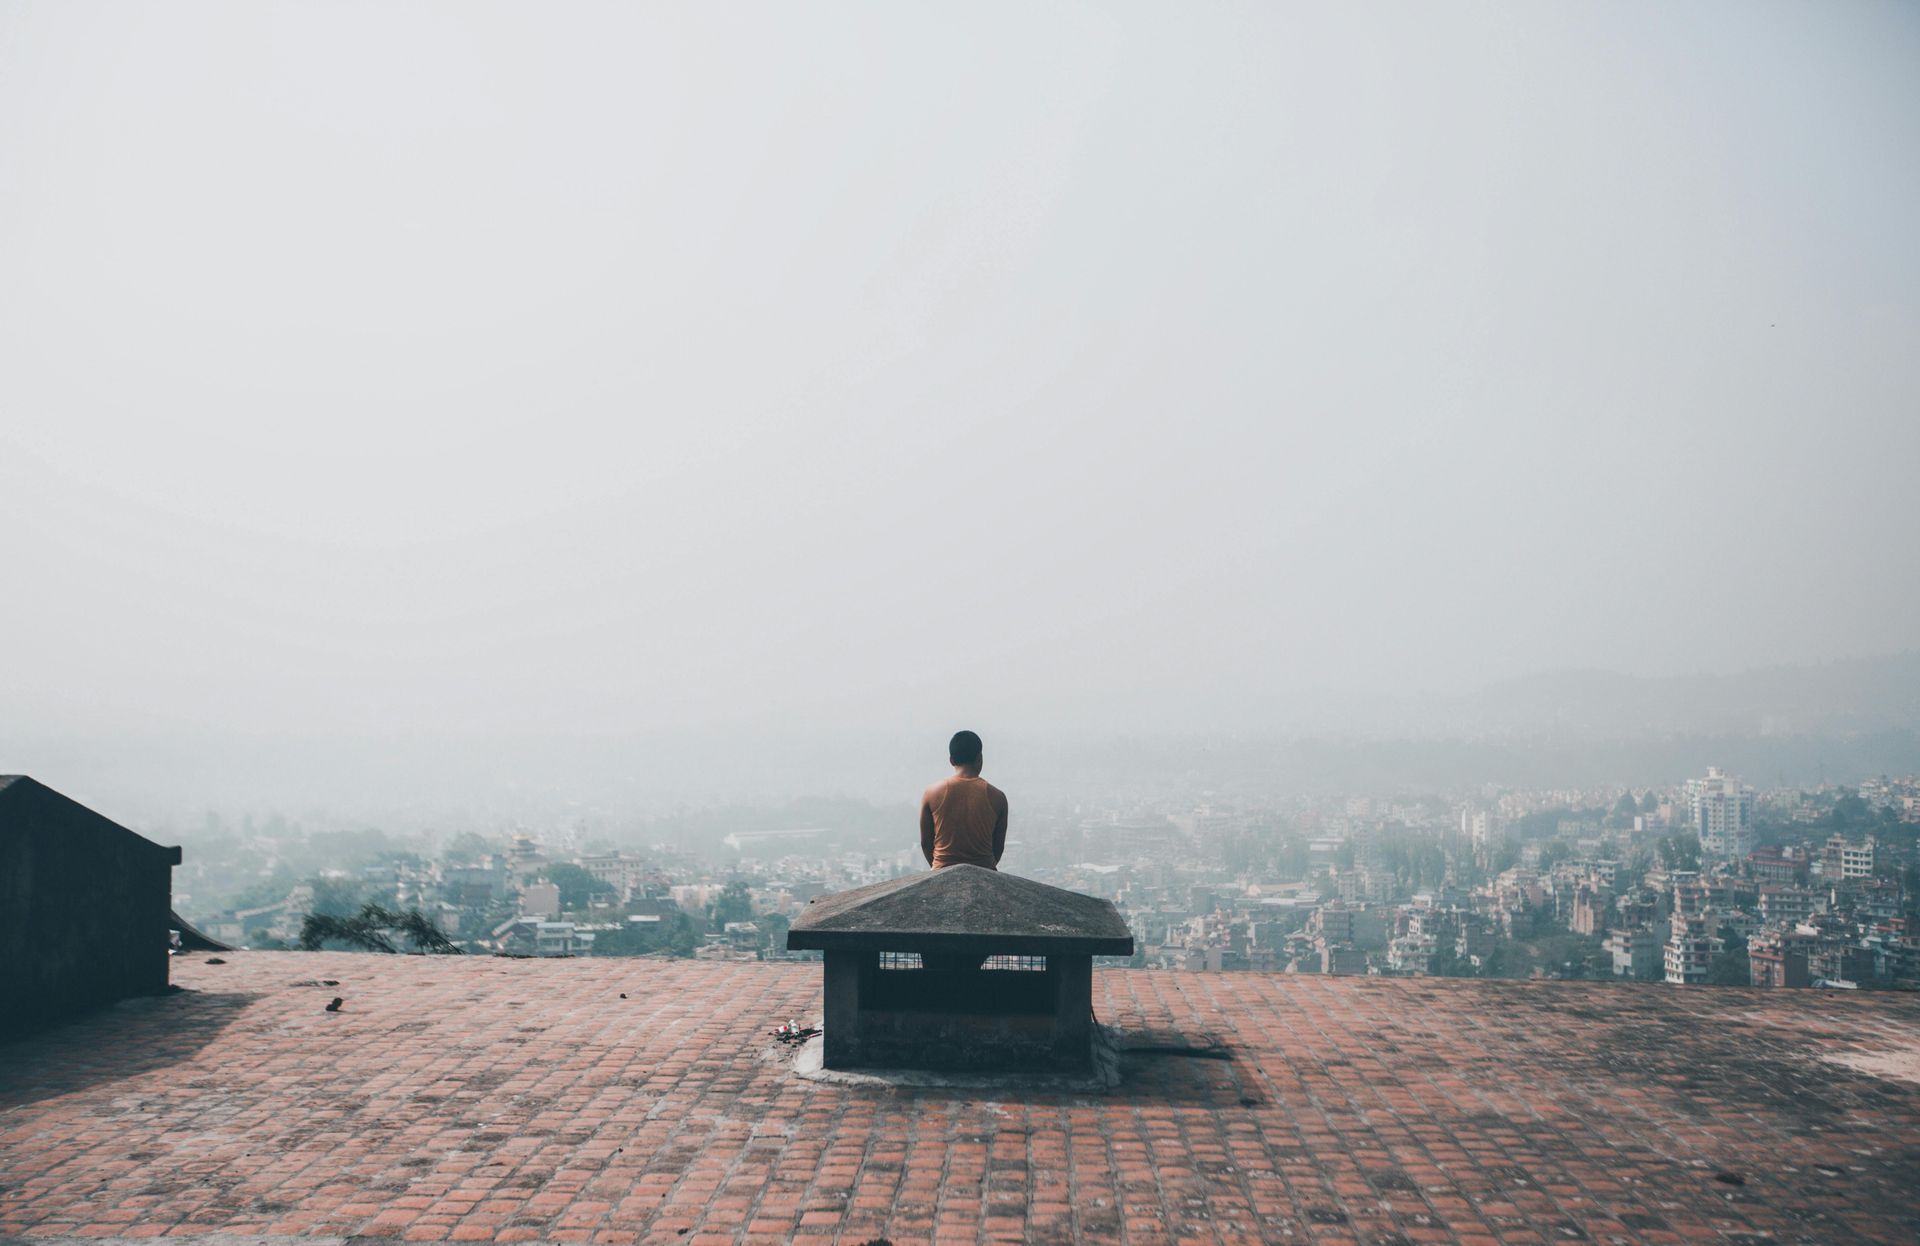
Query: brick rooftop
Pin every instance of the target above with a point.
(479, 1099)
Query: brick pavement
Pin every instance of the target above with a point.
(482, 1099)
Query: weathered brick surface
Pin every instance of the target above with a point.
(471, 1099)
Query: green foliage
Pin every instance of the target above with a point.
(1624, 811)
(1679, 850)
(336, 897)
(1650, 802)
(682, 939)
(673, 935)
(1553, 852)
(734, 904)
(466, 847)
(1542, 822)
(1567, 953)
(1850, 810)
(368, 930)
(1508, 960)
(270, 890)
(577, 886)
(1731, 967)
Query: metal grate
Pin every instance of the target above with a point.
(1035, 964)
(899, 960)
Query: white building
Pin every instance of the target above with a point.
(1720, 811)
(1690, 949)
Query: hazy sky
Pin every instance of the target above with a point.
(461, 368)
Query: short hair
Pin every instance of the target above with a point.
(964, 749)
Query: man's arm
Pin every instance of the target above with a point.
(926, 829)
(999, 830)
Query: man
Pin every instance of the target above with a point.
(963, 818)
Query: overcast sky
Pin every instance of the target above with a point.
(471, 368)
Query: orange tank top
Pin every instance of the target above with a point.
(964, 815)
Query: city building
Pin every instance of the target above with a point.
(1790, 905)
(540, 900)
(1636, 952)
(1342, 960)
(1690, 949)
(1778, 958)
(1720, 811)
(1774, 865)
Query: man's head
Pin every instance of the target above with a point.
(964, 750)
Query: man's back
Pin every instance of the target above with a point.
(967, 818)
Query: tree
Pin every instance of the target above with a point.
(577, 886)
(681, 940)
(1730, 966)
(466, 846)
(369, 930)
(1508, 960)
(1624, 810)
(1850, 810)
(734, 904)
(1680, 851)
(335, 897)
(1649, 803)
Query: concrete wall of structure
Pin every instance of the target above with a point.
(84, 906)
(980, 1020)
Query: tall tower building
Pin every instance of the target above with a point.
(1721, 813)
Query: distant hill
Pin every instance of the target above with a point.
(1835, 698)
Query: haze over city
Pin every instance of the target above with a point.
(862, 623)
(408, 383)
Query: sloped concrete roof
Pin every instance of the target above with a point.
(29, 805)
(963, 908)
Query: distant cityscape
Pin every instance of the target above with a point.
(1712, 882)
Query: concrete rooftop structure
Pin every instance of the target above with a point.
(483, 1099)
(905, 984)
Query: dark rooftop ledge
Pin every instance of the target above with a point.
(474, 1098)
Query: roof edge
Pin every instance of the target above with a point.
(987, 944)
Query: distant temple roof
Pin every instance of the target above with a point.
(963, 907)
